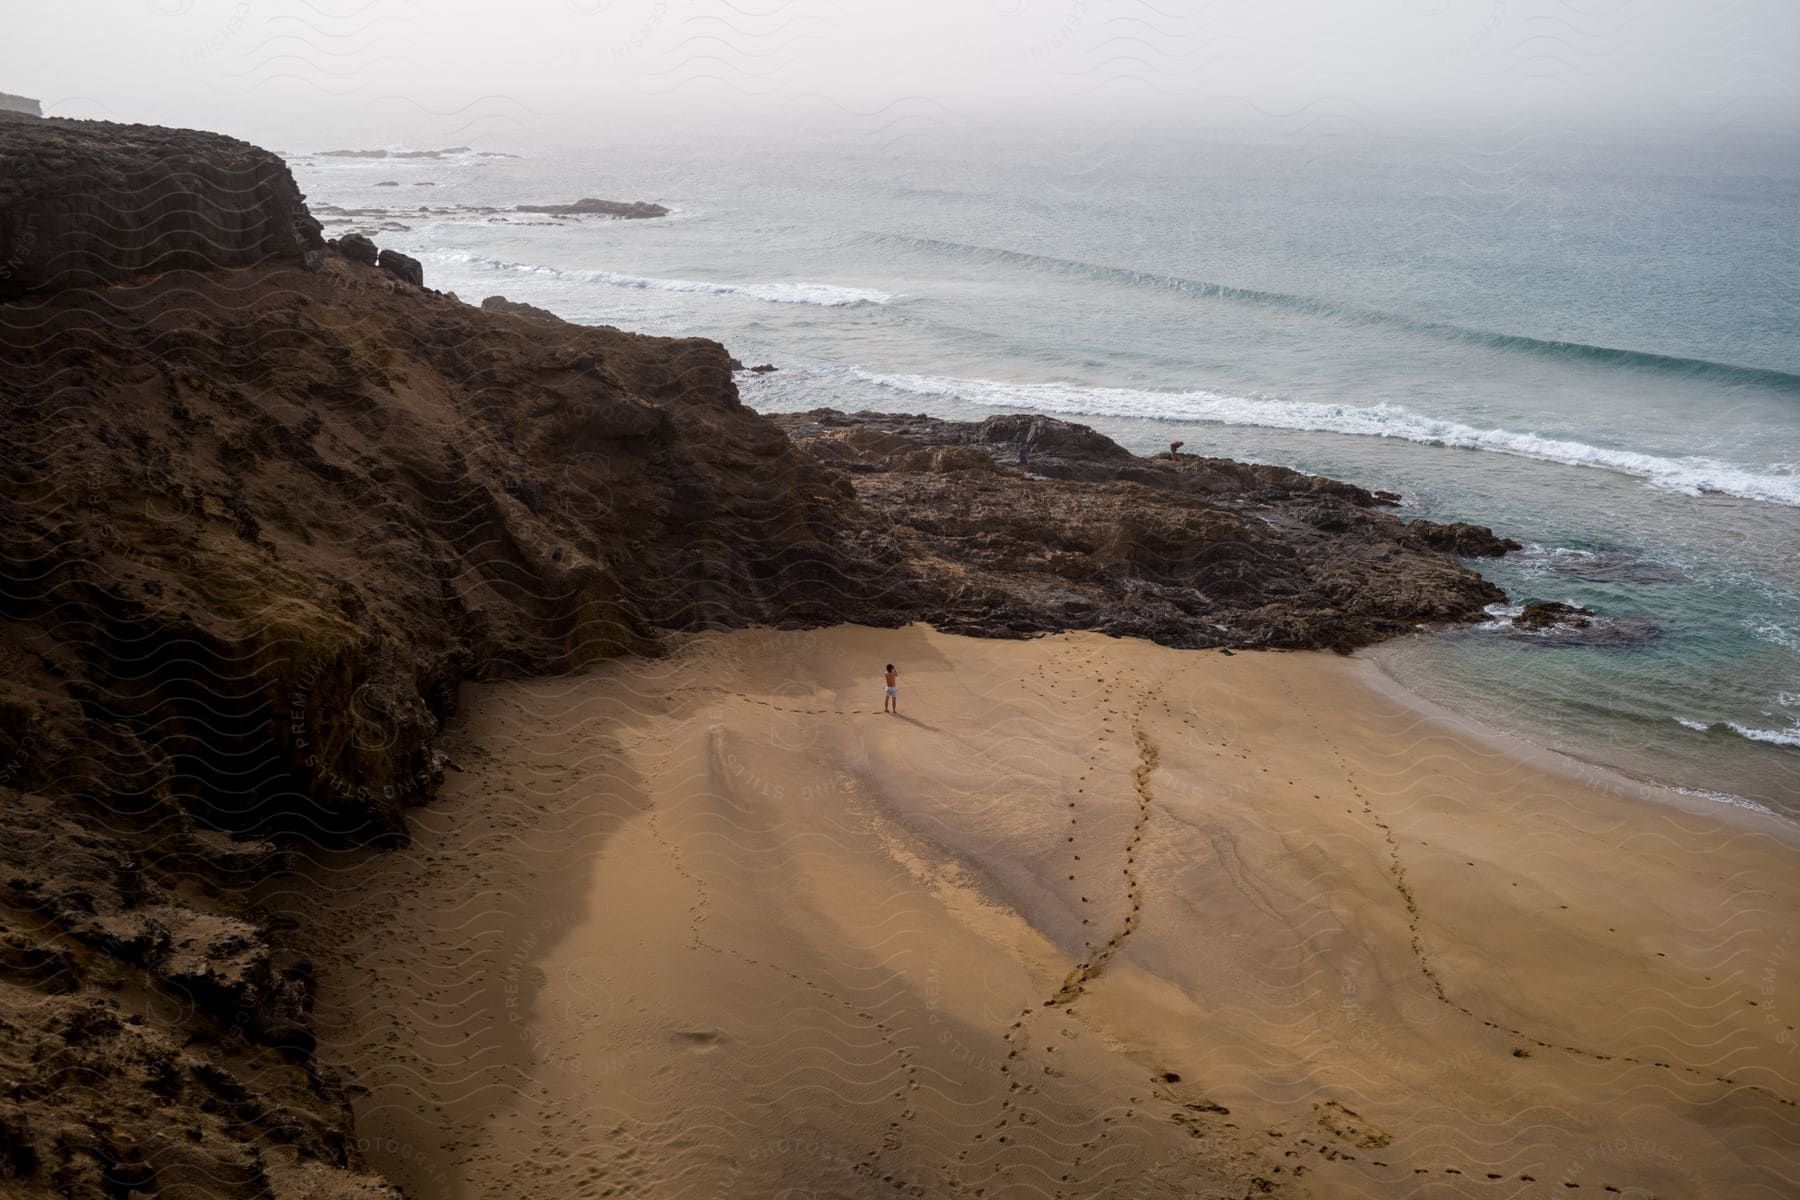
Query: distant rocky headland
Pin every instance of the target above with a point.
(21, 105)
(633, 210)
(269, 500)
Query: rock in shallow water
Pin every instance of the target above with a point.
(1459, 538)
(1554, 623)
(588, 206)
(1541, 614)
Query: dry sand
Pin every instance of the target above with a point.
(1089, 918)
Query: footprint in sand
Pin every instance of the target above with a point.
(697, 1040)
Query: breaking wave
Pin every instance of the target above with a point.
(823, 294)
(1693, 476)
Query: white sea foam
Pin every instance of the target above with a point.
(1774, 737)
(1500, 616)
(1727, 798)
(1693, 476)
(1557, 553)
(1696, 726)
(1769, 631)
(824, 294)
(402, 156)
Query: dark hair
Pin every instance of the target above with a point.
(890, 666)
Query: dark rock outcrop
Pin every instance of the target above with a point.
(85, 202)
(1542, 614)
(358, 249)
(519, 308)
(403, 267)
(588, 206)
(1180, 549)
(1459, 538)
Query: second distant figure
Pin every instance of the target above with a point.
(891, 703)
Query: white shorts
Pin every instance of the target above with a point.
(893, 692)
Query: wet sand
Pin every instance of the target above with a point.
(1088, 918)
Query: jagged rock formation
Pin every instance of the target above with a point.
(1542, 614)
(403, 267)
(1460, 538)
(84, 202)
(357, 248)
(1183, 550)
(519, 308)
(264, 507)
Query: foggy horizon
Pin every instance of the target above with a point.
(550, 70)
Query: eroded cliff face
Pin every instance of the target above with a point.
(264, 507)
(84, 202)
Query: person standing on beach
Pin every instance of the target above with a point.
(891, 702)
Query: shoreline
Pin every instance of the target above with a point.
(1692, 800)
(712, 924)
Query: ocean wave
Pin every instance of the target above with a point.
(823, 294)
(1500, 616)
(1691, 476)
(1785, 381)
(388, 155)
(1772, 737)
(1556, 553)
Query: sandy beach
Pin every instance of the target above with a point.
(1090, 917)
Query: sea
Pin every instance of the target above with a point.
(1589, 341)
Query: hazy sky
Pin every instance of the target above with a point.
(493, 72)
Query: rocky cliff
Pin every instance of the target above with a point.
(264, 506)
(84, 202)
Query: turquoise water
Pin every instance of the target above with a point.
(1592, 346)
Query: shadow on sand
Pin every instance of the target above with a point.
(914, 721)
